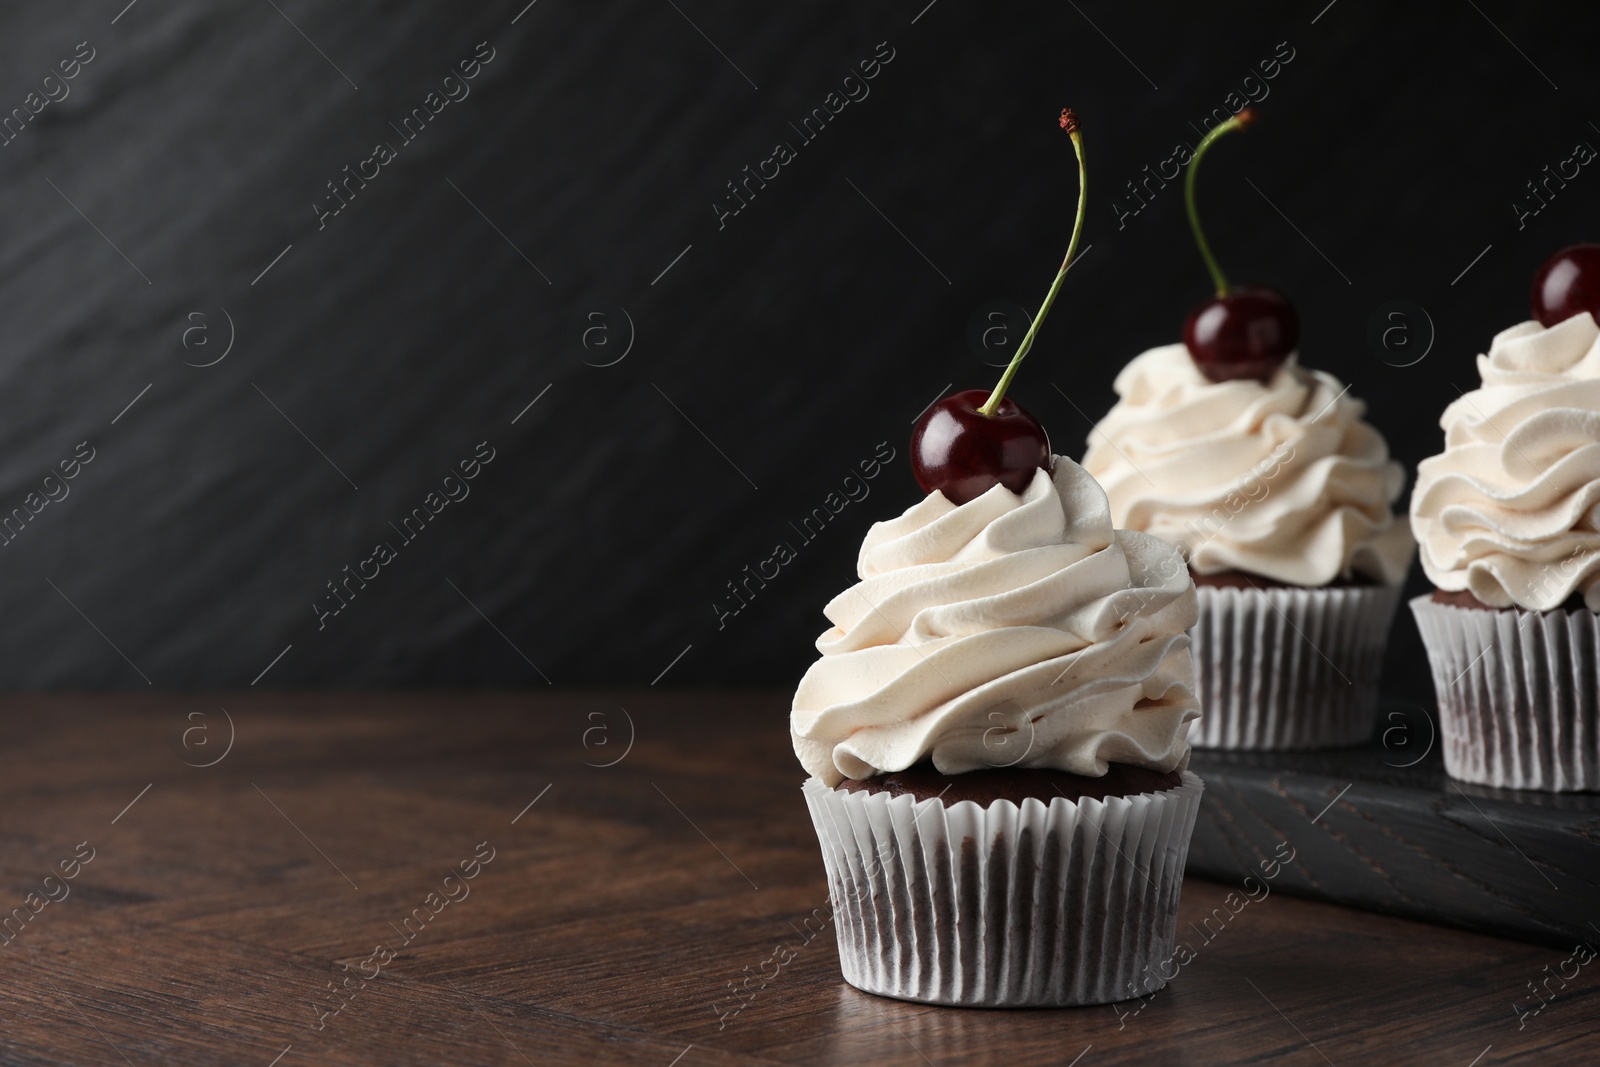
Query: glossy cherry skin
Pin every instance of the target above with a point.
(960, 452)
(1246, 334)
(1569, 282)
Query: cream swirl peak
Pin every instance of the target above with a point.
(1281, 479)
(1015, 630)
(1510, 510)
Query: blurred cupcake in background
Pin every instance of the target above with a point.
(1508, 521)
(1281, 498)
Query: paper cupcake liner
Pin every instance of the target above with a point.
(1029, 905)
(1289, 668)
(1518, 704)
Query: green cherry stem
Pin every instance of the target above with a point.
(1242, 119)
(1069, 122)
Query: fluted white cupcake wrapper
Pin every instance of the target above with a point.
(1519, 694)
(1289, 668)
(1008, 905)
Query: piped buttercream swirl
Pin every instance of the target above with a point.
(1510, 510)
(1012, 630)
(1282, 479)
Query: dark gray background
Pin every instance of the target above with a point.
(796, 338)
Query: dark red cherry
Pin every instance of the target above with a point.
(1246, 334)
(961, 452)
(1569, 282)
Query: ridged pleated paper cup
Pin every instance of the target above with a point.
(1030, 905)
(1517, 694)
(1289, 668)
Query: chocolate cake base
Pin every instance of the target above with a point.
(1519, 694)
(1015, 784)
(1241, 580)
(974, 905)
(1283, 668)
(1464, 599)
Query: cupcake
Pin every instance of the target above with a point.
(1280, 496)
(995, 738)
(1508, 521)
(995, 729)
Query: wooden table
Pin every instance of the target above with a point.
(224, 903)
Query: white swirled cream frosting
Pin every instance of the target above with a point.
(1281, 479)
(1510, 511)
(1012, 630)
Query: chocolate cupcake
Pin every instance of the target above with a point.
(1280, 497)
(995, 733)
(1508, 521)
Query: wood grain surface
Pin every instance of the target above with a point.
(486, 891)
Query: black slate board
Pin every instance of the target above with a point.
(1385, 829)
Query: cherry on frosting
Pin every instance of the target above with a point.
(963, 453)
(1245, 331)
(1568, 283)
(970, 442)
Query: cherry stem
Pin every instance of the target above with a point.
(993, 403)
(1242, 119)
